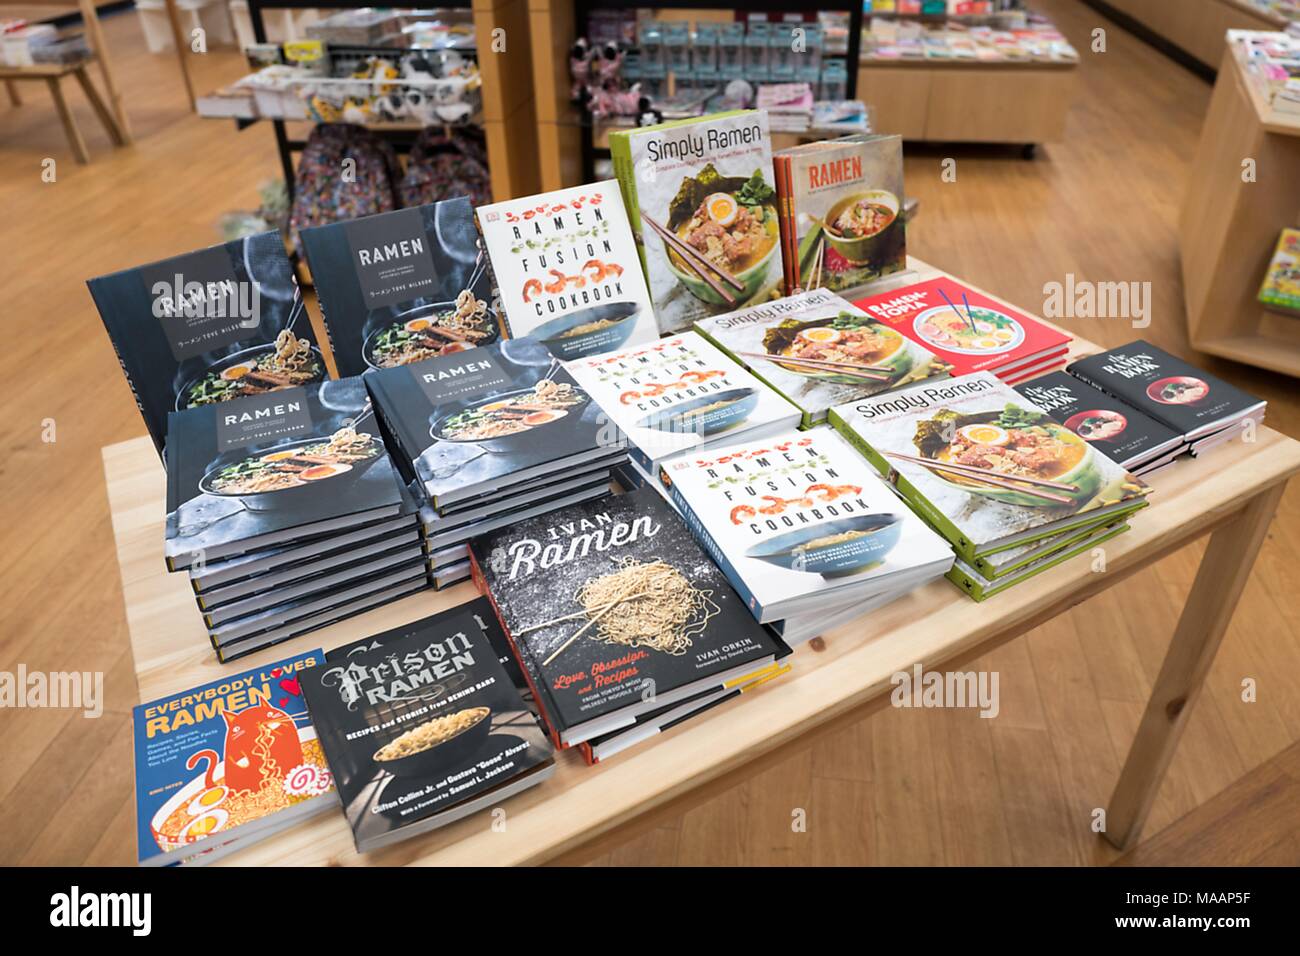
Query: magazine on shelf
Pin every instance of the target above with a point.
(403, 286)
(680, 394)
(1187, 399)
(819, 350)
(500, 415)
(233, 759)
(701, 198)
(568, 270)
(421, 726)
(841, 203)
(211, 325)
(1280, 289)
(984, 466)
(967, 330)
(614, 610)
(263, 470)
(800, 522)
(981, 588)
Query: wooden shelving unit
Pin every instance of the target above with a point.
(1194, 28)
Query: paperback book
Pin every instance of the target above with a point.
(701, 198)
(421, 726)
(819, 351)
(968, 331)
(614, 610)
(984, 466)
(841, 204)
(221, 765)
(800, 522)
(208, 326)
(568, 270)
(1281, 287)
(680, 394)
(403, 286)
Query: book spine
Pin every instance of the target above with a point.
(620, 153)
(781, 170)
(159, 444)
(710, 545)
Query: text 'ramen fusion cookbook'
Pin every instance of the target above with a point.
(819, 350)
(403, 286)
(801, 521)
(568, 270)
(678, 394)
(984, 466)
(208, 326)
(221, 765)
(842, 211)
(614, 610)
(701, 197)
(969, 331)
(421, 726)
(262, 470)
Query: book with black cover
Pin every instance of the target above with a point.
(614, 610)
(210, 325)
(422, 725)
(1127, 436)
(481, 420)
(1191, 401)
(265, 469)
(404, 285)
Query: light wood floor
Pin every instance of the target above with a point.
(903, 787)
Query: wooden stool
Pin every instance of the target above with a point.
(53, 75)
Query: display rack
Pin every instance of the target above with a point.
(1190, 31)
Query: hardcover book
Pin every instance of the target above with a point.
(403, 286)
(503, 414)
(1191, 401)
(421, 726)
(219, 323)
(819, 350)
(227, 762)
(800, 522)
(982, 588)
(984, 466)
(614, 610)
(568, 270)
(967, 330)
(679, 394)
(1281, 287)
(1126, 435)
(701, 198)
(841, 203)
(262, 470)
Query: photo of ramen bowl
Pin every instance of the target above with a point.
(864, 227)
(600, 328)
(511, 420)
(1178, 390)
(706, 415)
(437, 746)
(412, 335)
(251, 371)
(1013, 445)
(1097, 424)
(297, 474)
(846, 338)
(833, 548)
(985, 332)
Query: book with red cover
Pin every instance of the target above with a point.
(967, 330)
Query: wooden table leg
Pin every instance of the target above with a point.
(174, 17)
(90, 19)
(105, 117)
(69, 124)
(1222, 576)
(14, 98)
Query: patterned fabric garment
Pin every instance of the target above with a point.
(446, 162)
(322, 194)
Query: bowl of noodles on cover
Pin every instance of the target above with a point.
(833, 548)
(512, 419)
(284, 363)
(846, 348)
(436, 745)
(706, 415)
(600, 328)
(864, 227)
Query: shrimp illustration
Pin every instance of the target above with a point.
(827, 492)
(598, 266)
(531, 288)
(558, 285)
(775, 508)
(627, 398)
(654, 389)
(613, 269)
(577, 281)
(742, 513)
(697, 377)
(848, 489)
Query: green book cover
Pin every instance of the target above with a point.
(981, 588)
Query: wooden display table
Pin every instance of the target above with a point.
(582, 810)
(1193, 27)
(1228, 228)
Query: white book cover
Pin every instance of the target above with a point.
(802, 520)
(568, 270)
(680, 393)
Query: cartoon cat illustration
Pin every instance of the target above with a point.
(261, 743)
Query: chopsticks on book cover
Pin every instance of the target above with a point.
(700, 265)
(990, 477)
(865, 371)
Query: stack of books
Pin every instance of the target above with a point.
(804, 529)
(679, 395)
(287, 512)
(1011, 489)
(621, 623)
(789, 106)
(490, 436)
(1204, 410)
